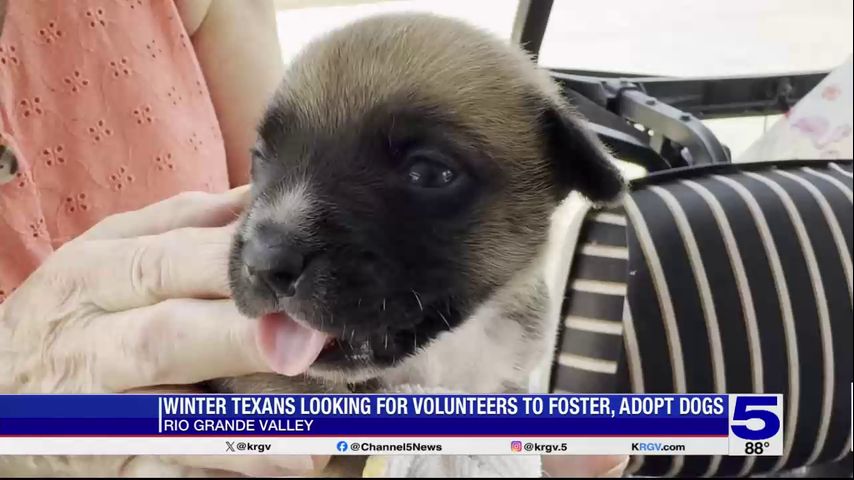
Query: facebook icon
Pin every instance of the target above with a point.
(342, 446)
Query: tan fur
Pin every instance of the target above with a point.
(339, 78)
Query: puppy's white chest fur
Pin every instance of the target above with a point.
(493, 351)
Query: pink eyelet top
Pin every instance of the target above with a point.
(103, 109)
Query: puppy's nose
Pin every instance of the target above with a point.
(276, 264)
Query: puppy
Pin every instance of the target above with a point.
(403, 182)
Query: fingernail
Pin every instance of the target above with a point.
(293, 463)
(319, 462)
(618, 470)
(239, 194)
(242, 188)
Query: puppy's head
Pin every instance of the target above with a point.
(407, 167)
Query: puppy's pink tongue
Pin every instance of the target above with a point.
(289, 347)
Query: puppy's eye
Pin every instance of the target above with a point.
(429, 171)
(257, 161)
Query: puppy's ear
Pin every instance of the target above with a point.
(579, 160)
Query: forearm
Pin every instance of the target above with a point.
(238, 49)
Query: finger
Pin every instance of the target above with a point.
(178, 342)
(320, 462)
(136, 272)
(109, 466)
(189, 209)
(252, 465)
(161, 467)
(585, 465)
(166, 390)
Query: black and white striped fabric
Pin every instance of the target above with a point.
(729, 279)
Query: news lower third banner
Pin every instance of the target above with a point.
(391, 424)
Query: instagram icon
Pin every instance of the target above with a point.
(516, 446)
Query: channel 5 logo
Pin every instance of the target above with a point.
(754, 417)
(756, 425)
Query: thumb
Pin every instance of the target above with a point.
(188, 209)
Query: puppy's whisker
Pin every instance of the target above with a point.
(417, 299)
(383, 304)
(444, 319)
(385, 341)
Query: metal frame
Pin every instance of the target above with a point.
(529, 27)
(676, 137)
(654, 121)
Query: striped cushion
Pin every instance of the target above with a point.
(731, 279)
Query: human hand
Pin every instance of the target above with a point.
(139, 303)
(584, 465)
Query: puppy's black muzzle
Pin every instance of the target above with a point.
(274, 263)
